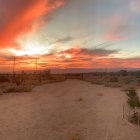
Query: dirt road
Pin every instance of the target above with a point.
(70, 110)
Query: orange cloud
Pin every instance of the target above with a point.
(15, 22)
(84, 58)
(113, 37)
(117, 26)
(74, 58)
(71, 58)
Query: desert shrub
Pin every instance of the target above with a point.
(131, 93)
(4, 78)
(18, 79)
(127, 81)
(123, 73)
(8, 89)
(113, 79)
(133, 99)
(134, 102)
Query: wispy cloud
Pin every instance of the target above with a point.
(135, 6)
(91, 52)
(122, 23)
(117, 27)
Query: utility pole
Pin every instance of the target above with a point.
(14, 64)
(36, 65)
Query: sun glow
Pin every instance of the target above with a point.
(31, 49)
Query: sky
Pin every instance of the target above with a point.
(66, 34)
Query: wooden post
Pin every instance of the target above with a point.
(129, 114)
(14, 64)
(36, 65)
(124, 111)
(138, 117)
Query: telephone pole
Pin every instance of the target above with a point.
(14, 64)
(36, 65)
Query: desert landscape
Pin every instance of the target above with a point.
(71, 109)
(69, 70)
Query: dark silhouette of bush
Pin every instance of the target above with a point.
(131, 93)
(134, 102)
(133, 99)
(4, 78)
(123, 72)
(113, 79)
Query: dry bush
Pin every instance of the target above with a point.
(18, 79)
(4, 78)
(122, 79)
(127, 80)
(134, 102)
(105, 80)
(15, 88)
(113, 79)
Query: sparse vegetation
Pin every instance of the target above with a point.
(134, 102)
(22, 82)
(4, 78)
(133, 99)
(131, 93)
(15, 88)
(113, 79)
(121, 79)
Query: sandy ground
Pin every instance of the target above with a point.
(70, 110)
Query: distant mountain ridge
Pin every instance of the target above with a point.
(84, 70)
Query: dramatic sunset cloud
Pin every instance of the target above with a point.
(72, 58)
(18, 16)
(65, 34)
